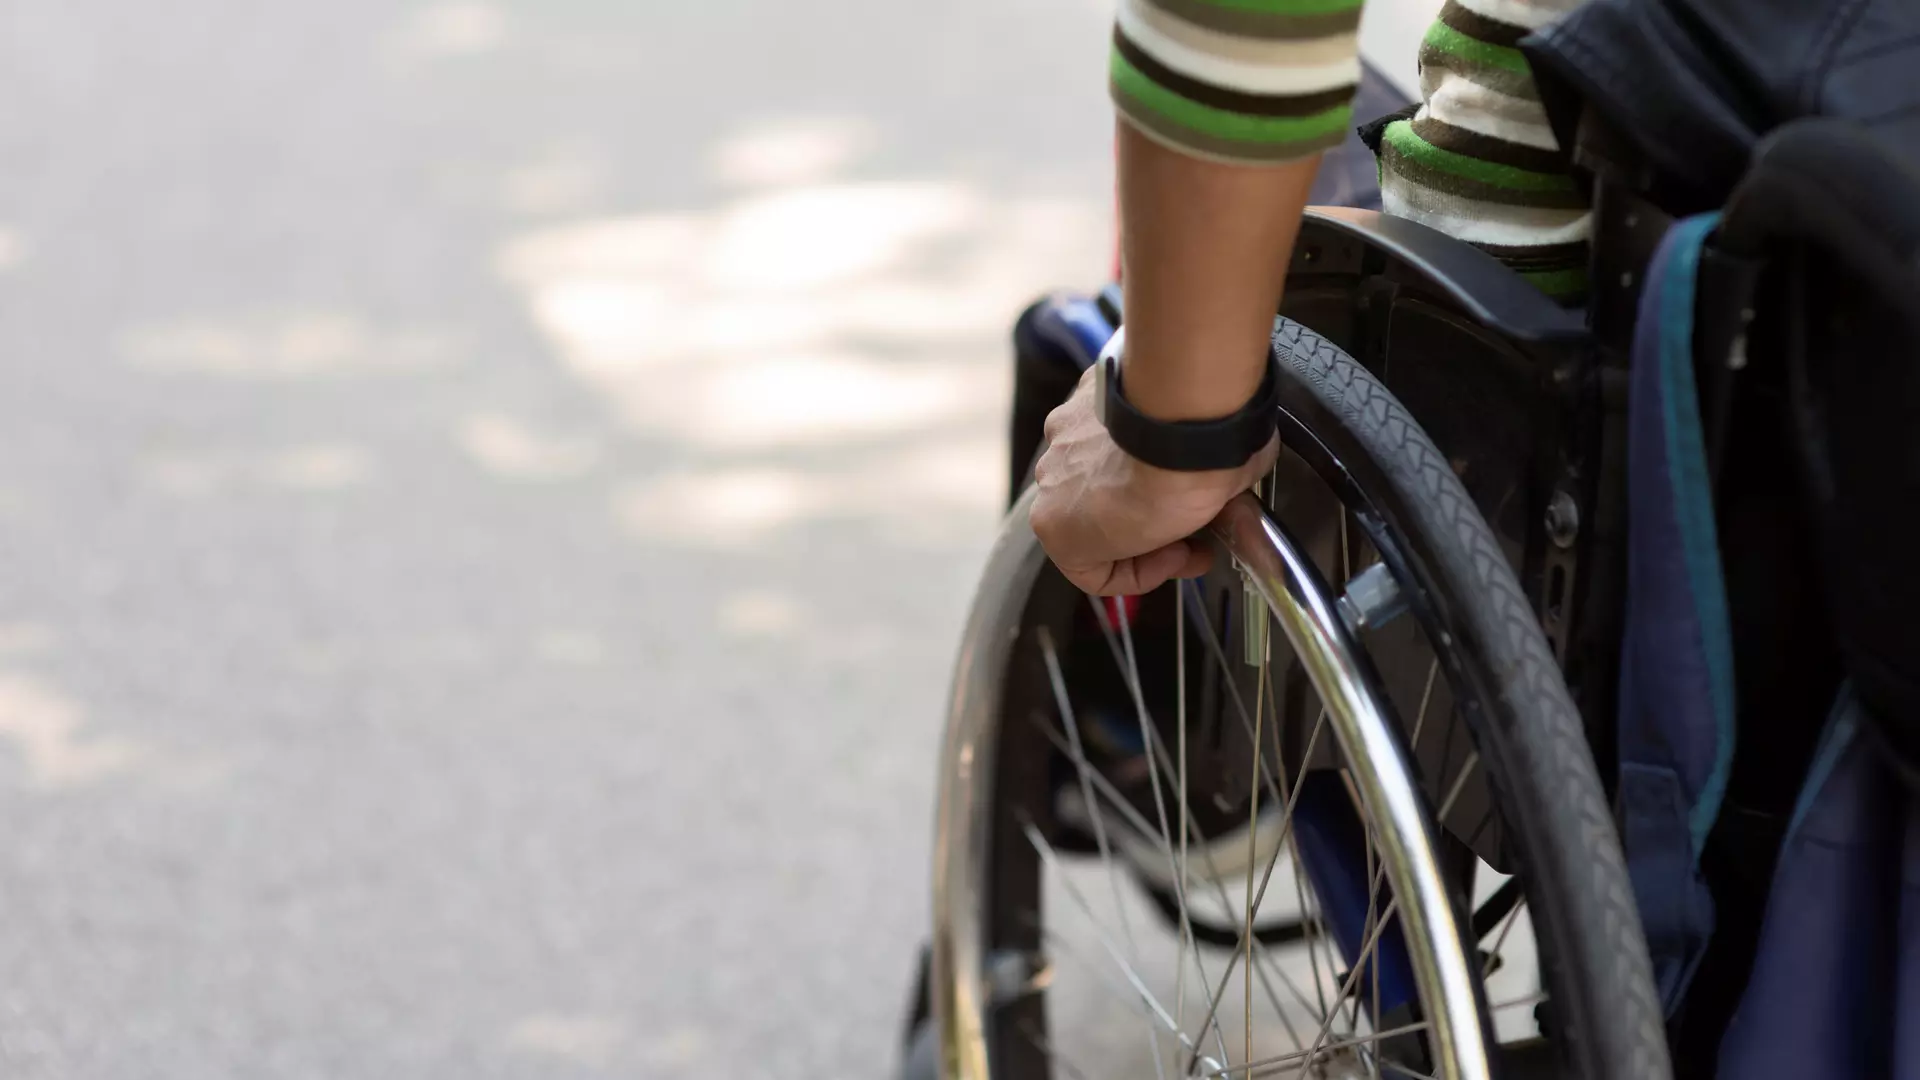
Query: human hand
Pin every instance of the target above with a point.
(1114, 525)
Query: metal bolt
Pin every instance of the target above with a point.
(1563, 520)
(1372, 599)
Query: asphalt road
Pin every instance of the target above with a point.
(488, 495)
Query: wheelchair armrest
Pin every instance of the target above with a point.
(1499, 299)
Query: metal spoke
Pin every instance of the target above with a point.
(1157, 761)
(1148, 737)
(1281, 1061)
(1373, 1014)
(1300, 893)
(1317, 934)
(1506, 927)
(1186, 815)
(1426, 698)
(1219, 654)
(1140, 998)
(1169, 769)
(1133, 995)
(1062, 702)
(1346, 987)
(1446, 757)
(1372, 940)
(1052, 859)
(1253, 841)
(1274, 786)
(1286, 825)
(1459, 785)
(1156, 751)
(1214, 877)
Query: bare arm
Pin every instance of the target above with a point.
(1205, 252)
(1225, 106)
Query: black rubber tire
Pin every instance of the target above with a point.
(1606, 1015)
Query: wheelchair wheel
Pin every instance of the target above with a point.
(1264, 825)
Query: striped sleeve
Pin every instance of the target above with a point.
(1241, 81)
(1478, 161)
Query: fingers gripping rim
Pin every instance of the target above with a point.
(1609, 1010)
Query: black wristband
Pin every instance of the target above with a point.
(1185, 445)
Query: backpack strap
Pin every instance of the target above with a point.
(1676, 717)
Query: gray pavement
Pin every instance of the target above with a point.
(488, 494)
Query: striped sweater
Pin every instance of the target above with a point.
(1270, 81)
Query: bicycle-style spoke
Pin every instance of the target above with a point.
(1278, 1062)
(1276, 786)
(1373, 969)
(1121, 646)
(1149, 738)
(1052, 859)
(1506, 927)
(1318, 934)
(1369, 957)
(1426, 699)
(1218, 652)
(1212, 875)
(1253, 842)
(1157, 762)
(1061, 700)
(1130, 994)
(1186, 814)
(1164, 839)
(1246, 932)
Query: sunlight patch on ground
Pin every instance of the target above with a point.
(584, 1039)
(727, 507)
(759, 613)
(452, 29)
(806, 151)
(909, 264)
(913, 491)
(508, 448)
(679, 1048)
(811, 313)
(562, 182)
(288, 346)
(312, 467)
(571, 648)
(322, 467)
(44, 726)
(25, 638)
(773, 400)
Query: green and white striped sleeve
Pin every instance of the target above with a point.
(1479, 161)
(1241, 81)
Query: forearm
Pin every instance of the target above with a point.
(1226, 106)
(1205, 248)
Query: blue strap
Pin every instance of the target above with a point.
(1676, 684)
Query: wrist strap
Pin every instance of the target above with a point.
(1185, 445)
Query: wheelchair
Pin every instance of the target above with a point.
(1337, 809)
